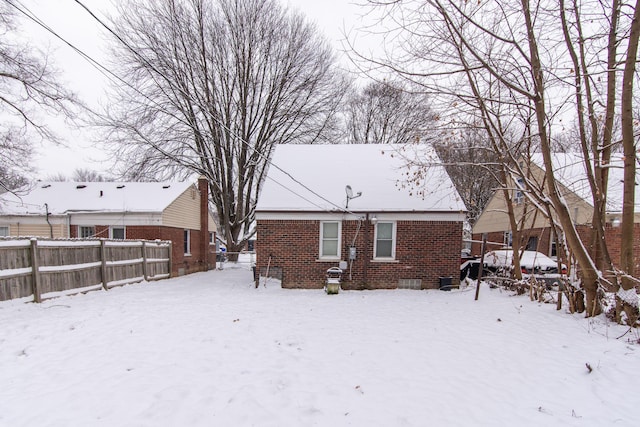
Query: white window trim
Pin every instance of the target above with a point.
(393, 242)
(8, 228)
(507, 239)
(518, 195)
(188, 241)
(118, 226)
(93, 233)
(330, 257)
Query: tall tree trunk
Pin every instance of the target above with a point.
(589, 274)
(629, 146)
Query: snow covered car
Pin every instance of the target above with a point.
(533, 264)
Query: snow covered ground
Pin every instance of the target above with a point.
(211, 350)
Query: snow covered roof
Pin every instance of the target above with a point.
(314, 178)
(569, 169)
(66, 197)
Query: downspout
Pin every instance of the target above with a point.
(365, 254)
(46, 208)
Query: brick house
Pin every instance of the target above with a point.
(175, 211)
(572, 183)
(323, 204)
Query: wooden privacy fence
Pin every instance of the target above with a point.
(37, 269)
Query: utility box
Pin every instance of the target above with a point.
(445, 283)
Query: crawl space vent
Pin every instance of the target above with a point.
(410, 284)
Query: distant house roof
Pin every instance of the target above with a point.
(569, 170)
(314, 178)
(67, 197)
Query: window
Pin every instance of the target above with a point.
(118, 233)
(532, 243)
(187, 242)
(330, 239)
(508, 239)
(518, 196)
(4, 231)
(87, 232)
(554, 247)
(385, 240)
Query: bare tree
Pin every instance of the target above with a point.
(384, 112)
(79, 175)
(212, 87)
(28, 90)
(473, 167)
(518, 65)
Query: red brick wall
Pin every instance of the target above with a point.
(180, 264)
(424, 250)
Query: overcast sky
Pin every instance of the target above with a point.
(75, 25)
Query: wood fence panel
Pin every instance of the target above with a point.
(60, 280)
(15, 287)
(13, 257)
(67, 255)
(63, 266)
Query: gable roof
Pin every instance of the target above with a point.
(313, 178)
(569, 170)
(66, 197)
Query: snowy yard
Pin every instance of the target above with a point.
(211, 350)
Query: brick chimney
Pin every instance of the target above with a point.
(203, 188)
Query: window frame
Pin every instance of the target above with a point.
(393, 241)
(118, 227)
(507, 239)
(338, 239)
(5, 227)
(518, 195)
(187, 242)
(82, 228)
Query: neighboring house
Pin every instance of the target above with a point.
(176, 211)
(323, 204)
(570, 174)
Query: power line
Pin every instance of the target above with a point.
(114, 77)
(211, 115)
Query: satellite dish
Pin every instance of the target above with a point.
(350, 194)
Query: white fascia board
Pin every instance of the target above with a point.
(384, 216)
(119, 218)
(32, 219)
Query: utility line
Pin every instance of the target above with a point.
(111, 75)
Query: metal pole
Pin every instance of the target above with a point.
(481, 266)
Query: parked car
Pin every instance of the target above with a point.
(533, 264)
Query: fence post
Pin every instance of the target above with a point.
(145, 272)
(103, 268)
(35, 271)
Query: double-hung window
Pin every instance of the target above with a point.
(518, 195)
(4, 230)
(86, 232)
(507, 240)
(330, 239)
(385, 241)
(118, 233)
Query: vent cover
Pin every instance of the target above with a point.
(410, 284)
